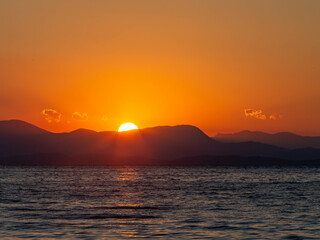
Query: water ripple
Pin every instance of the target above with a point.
(159, 202)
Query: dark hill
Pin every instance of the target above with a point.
(17, 127)
(282, 139)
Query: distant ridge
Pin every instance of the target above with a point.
(22, 143)
(18, 127)
(83, 131)
(282, 139)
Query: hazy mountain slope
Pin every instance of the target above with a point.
(17, 127)
(283, 139)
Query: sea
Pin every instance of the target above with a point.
(159, 203)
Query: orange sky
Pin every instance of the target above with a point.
(97, 64)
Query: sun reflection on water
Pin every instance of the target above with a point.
(127, 174)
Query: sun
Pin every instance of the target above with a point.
(127, 127)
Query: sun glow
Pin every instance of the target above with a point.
(127, 127)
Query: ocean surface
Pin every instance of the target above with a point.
(159, 202)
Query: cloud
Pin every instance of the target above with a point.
(261, 116)
(104, 118)
(80, 116)
(51, 115)
(273, 117)
(258, 114)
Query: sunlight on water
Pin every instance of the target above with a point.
(168, 203)
(127, 174)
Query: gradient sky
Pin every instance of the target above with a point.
(223, 66)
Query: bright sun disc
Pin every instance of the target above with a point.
(127, 127)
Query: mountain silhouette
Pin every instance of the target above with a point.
(282, 139)
(26, 144)
(18, 127)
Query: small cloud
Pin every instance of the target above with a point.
(258, 114)
(51, 115)
(80, 116)
(261, 116)
(249, 112)
(273, 117)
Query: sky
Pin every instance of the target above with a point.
(223, 66)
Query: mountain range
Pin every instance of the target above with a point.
(22, 143)
(282, 139)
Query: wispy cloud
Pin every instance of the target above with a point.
(258, 114)
(80, 116)
(104, 118)
(273, 117)
(51, 115)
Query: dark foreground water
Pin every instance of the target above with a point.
(168, 203)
